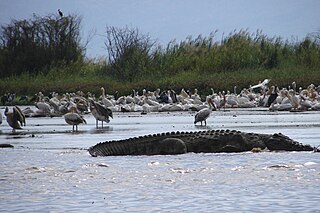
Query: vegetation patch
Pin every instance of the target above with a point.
(45, 54)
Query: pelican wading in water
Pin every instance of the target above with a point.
(15, 118)
(203, 114)
(74, 119)
(100, 113)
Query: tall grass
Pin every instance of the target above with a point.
(239, 59)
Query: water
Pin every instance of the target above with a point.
(49, 169)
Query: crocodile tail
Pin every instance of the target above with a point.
(109, 148)
(139, 146)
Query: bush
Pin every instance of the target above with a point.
(129, 53)
(39, 43)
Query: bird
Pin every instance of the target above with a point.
(222, 101)
(272, 96)
(232, 100)
(294, 99)
(105, 100)
(73, 118)
(0, 117)
(14, 118)
(21, 117)
(60, 13)
(184, 94)
(294, 86)
(304, 103)
(100, 112)
(43, 106)
(262, 85)
(203, 114)
(4, 99)
(173, 96)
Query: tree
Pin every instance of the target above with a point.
(34, 45)
(129, 52)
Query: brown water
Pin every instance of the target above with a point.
(49, 169)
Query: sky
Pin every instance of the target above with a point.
(166, 20)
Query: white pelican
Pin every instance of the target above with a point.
(203, 114)
(244, 102)
(129, 99)
(235, 90)
(195, 95)
(294, 87)
(262, 85)
(152, 102)
(282, 97)
(135, 107)
(294, 100)
(249, 94)
(222, 103)
(171, 108)
(148, 108)
(73, 118)
(184, 94)
(313, 94)
(58, 107)
(28, 112)
(125, 108)
(100, 113)
(43, 108)
(14, 117)
(316, 106)
(106, 102)
(152, 95)
(232, 100)
(304, 103)
(136, 97)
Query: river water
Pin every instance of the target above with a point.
(50, 170)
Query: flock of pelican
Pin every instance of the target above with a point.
(73, 105)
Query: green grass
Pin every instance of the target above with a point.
(92, 81)
(241, 60)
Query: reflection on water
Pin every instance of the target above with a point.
(50, 170)
(101, 130)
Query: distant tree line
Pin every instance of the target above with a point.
(37, 44)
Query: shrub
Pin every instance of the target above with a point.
(39, 43)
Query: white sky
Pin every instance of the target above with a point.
(165, 20)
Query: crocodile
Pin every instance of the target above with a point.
(210, 141)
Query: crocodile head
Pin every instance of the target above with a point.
(279, 141)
